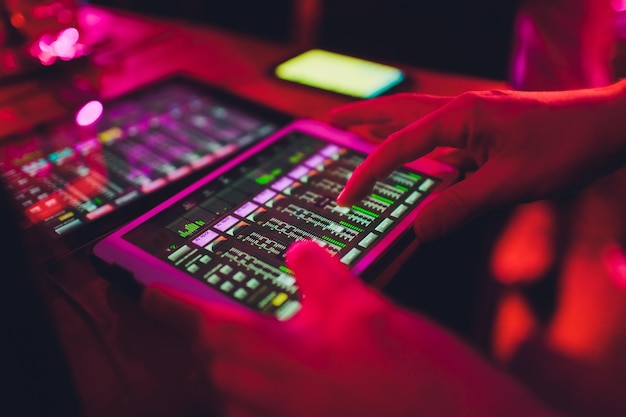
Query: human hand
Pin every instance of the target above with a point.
(348, 352)
(527, 145)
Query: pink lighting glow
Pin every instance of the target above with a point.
(615, 262)
(89, 113)
(619, 5)
(65, 47)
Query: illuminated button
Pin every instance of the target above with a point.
(349, 257)
(205, 259)
(298, 172)
(367, 240)
(288, 309)
(202, 161)
(213, 279)
(66, 216)
(384, 225)
(413, 197)
(63, 229)
(193, 268)
(178, 173)
(336, 228)
(264, 196)
(225, 150)
(239, 276)
(227, 286)
(179, 253)
(331, 151)
(398, 211)
(426, 185)
(100, 211)
(282, 183)
(252, 284)
(153, 185)
(226, 223)
(240, 294)
(280, 298)
(246, 209)
(315, 161)
(342, 210)
(285, 280)
(127, 197)
(205, 238)
(226, 269)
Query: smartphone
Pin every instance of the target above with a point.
(225, 237)
(339, 73)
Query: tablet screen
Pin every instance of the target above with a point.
(232, 232)
(66, 176)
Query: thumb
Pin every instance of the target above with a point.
(319, 274)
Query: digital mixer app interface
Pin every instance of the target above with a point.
(233, 232)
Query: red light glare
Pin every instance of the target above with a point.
(619, 5)
(89, 113)
(615, 262)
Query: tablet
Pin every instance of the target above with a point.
(76, 182)
(224, 238)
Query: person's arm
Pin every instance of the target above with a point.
(348, 352)
(527, 145)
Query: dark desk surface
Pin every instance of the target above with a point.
(123, 363)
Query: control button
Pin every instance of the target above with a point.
(280, 298)
(205, 238)
(205, 259)
(240, 294)
(426, 185)
(227, 286)
(367, 240)
(213, 279)
(193, 268)
(226, 269)
(252, 284)
(349, 257)
(413, 197)
(239, 276)
(226, 223)
(331, 151)
(288, 309)
(179, 253)
(246, 209)
(298, 172)
(316, 161)
(264, 196)
(384, 225)
(398, 211)
(282, 183)
(285, 280)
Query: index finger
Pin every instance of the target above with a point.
(444, 127)
(386, 109)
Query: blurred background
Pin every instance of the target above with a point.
(467, 37)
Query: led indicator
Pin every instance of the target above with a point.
(334, 241)
(362, 210)
(381, 198)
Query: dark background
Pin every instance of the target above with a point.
(460, 36)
